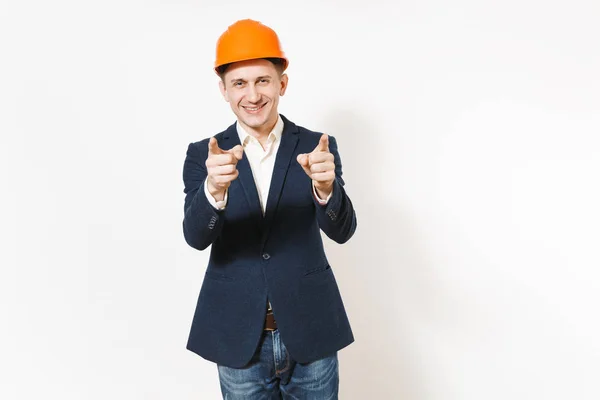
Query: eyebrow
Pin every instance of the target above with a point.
(257, 78)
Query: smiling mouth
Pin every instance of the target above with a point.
(255, 109)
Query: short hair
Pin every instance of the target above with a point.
(279, 64)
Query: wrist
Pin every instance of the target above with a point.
(324, 191)
(217, 194)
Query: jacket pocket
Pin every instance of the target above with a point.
(217, 276)
(316, 271)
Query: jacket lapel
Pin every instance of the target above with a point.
(245, 178)
(289, 140)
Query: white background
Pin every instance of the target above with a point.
(470, 140)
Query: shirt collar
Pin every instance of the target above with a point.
(275, 134)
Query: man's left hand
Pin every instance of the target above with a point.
(319, 166)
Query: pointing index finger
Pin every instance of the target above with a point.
(213, 147)
(323, 143)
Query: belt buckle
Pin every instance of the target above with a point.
(270, 323)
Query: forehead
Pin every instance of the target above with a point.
(248, 70)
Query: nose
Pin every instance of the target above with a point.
(252, 94)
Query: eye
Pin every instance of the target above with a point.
(238, 84)
(264, 80)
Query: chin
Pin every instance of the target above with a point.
(256, 121)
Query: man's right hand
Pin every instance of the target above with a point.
(221, 166)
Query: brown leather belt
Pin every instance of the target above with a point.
(270, 323)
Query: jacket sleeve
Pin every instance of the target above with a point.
(337, 218)
(201, 222)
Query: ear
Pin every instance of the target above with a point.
(284, 84)
(223, 91)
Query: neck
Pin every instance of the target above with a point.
(261, 133)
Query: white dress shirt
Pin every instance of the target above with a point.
(262, 162)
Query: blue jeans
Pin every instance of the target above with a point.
(273, 374)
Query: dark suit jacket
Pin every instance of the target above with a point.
(277, 258)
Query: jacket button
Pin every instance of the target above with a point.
(266, 256)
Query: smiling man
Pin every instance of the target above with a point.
(269, 313)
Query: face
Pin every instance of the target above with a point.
(252, 89)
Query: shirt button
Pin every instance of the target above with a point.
(266, 256)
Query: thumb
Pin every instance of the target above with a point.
(323, 143)
(237, 151)
(213, 147)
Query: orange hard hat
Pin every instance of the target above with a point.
(248, 40)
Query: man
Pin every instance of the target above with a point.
(269, 311)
